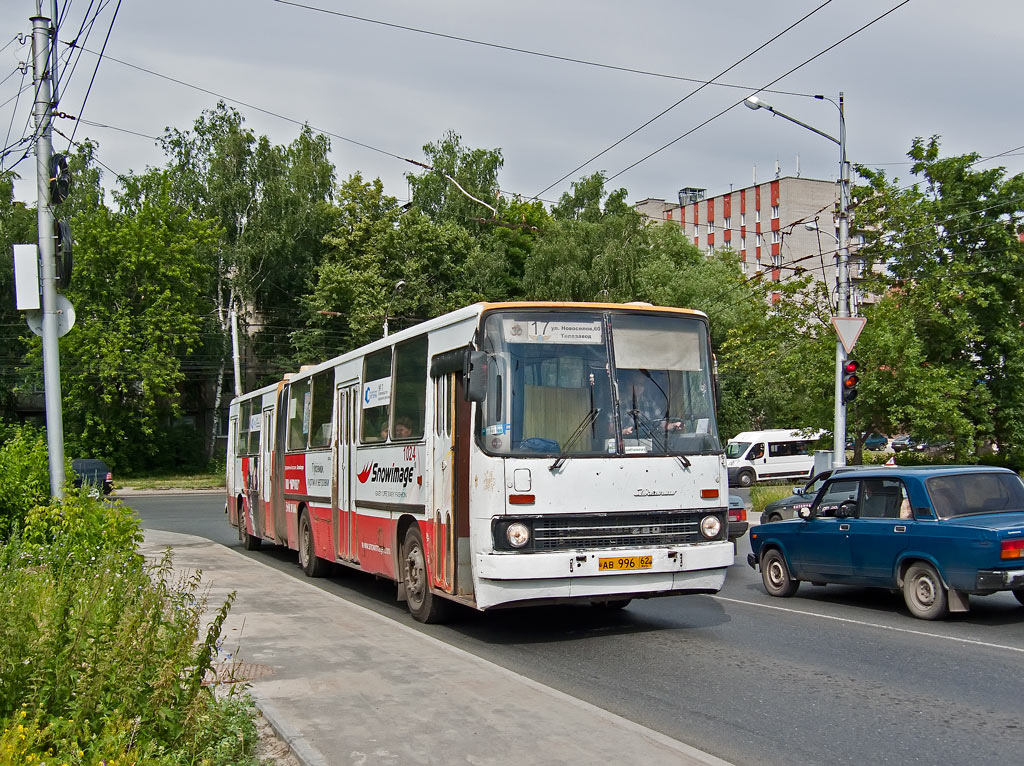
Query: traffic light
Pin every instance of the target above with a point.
(850, 380)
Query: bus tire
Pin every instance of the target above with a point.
(311, 564)
(423, 605)
(746, 478)
(249, 542)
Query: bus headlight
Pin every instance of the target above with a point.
(517, 534)
(710, 526)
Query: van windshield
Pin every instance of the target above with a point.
(734, 450)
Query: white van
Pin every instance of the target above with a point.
(779, 453)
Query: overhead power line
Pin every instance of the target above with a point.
(693, 92)
(525, 51)
(760, 90)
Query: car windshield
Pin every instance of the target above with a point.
(736, 449)
(975, 493)
(597, 383)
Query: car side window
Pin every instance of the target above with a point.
(833, 494)
(880, 499)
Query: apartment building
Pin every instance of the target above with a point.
(782, 227)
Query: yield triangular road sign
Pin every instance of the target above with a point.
(848, 329)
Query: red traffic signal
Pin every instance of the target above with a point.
(850, 380)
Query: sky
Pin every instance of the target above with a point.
(381, 92)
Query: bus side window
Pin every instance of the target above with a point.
(320, 418)
(375, 407)
(410, 394)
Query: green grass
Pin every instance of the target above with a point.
(173, 481)
(763, 494)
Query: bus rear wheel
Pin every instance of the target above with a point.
(249, 542)
(423, 605)
(311, 564)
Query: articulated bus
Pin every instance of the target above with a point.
(499, 455)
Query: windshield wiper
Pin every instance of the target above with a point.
(639, 419)
(587, 421)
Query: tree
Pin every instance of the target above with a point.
(139, 292)
(17, 226)
(952, 252)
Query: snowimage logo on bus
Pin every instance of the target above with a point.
(392, 474)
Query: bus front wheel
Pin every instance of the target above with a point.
(423, 605)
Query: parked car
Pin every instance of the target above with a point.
(937, 533)
(789, 507)
(737, 518)
(875, 442)
(93, 474)
(906, 442)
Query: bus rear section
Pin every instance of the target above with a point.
(504, 455)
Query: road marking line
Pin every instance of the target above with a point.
(872, 624)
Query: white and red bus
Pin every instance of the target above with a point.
(500, 455)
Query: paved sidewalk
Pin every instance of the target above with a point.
(344, 685)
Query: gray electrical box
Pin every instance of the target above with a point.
(26, 277)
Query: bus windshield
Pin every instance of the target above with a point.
(597, 383)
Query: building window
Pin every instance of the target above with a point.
(728, 223)
(775, 211)
(711, 229)
(743, 219)
(759, 240)
(743, 243)
(776, 237)
(757, 215)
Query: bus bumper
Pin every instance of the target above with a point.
(566, 576)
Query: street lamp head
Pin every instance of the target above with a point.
(753, 102)
(399, 285)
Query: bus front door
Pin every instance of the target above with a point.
(265, 512)
(442, 530)
(343, 497)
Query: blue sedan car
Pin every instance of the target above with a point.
(938, 534)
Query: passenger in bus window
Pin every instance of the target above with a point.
(403, 428)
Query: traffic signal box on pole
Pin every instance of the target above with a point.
(850, 380)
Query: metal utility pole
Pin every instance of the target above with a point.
(43, 111)
(843, 274)
(842, 259)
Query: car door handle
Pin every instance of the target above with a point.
(844, 527)
(899, 528)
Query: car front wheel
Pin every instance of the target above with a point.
(924, 592)
(775, 575)
(1018, 593)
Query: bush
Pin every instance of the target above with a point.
(102, 660)
(26, 477)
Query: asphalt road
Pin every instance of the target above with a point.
(835, 675)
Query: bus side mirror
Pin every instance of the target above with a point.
(474, 373)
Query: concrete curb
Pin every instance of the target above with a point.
(304, 753)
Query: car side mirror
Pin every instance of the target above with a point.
(798, 490)
(805, 513)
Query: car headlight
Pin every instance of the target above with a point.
(517, 534)
(710, 526)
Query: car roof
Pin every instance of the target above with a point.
(927, 471)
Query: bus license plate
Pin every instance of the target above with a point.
(625, 562)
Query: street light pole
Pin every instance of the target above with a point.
(842, 260)
(843, 309)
